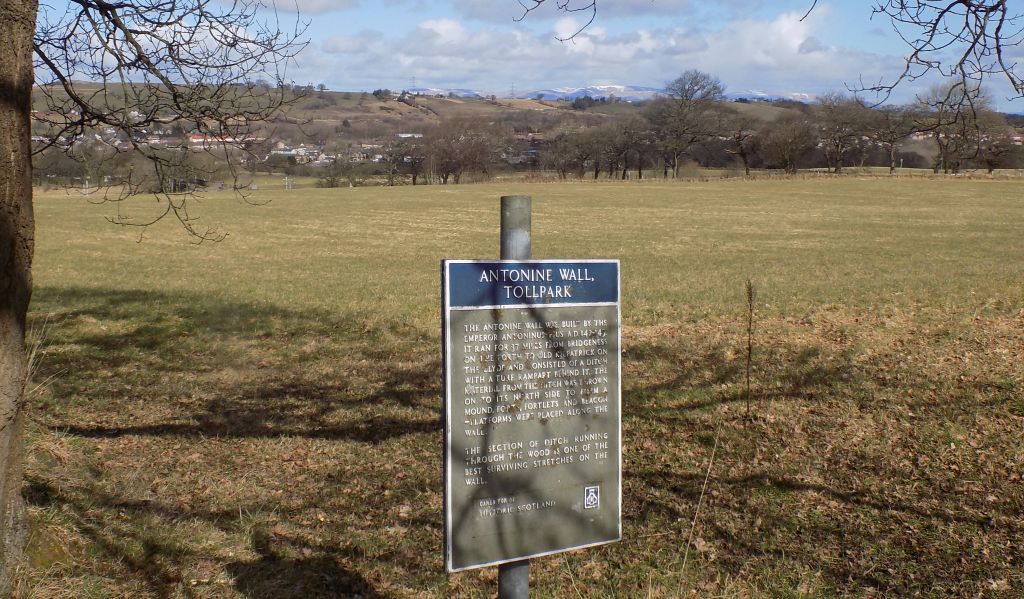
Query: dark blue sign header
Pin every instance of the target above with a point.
(476, 284)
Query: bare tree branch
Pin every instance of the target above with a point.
(566, 6)
(969, 41)
(966, 40)
(201, 65)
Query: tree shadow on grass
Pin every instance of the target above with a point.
(858, 520)
(355, 394)
(853, 519)
(159, 559)
(854, 538)
(789, 372)
(182, 366)
(260, 425)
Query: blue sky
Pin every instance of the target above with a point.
(749, 44)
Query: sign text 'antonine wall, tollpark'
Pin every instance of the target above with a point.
(532, 416)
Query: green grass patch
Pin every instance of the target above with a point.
(260, 417)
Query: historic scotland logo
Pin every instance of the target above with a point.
(591, 497)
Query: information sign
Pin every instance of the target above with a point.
(532, 408)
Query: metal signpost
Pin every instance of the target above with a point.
(532, 406)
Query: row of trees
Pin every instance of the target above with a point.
(443, 155)
(694, 123)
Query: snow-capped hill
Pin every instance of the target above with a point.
(629, 93)
(456, 92)
(763, 96)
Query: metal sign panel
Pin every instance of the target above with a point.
(533, 461)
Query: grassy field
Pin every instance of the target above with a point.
(260, 417)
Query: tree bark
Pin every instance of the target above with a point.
(17, 233)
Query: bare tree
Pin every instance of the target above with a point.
(599, 142)
(568, 153)
(415, 159)
(147, 62)
(786, 140)
(633, 144)
(841, 122)
(689, 114)
(996, 145)
(459, 146)
(740, 131)
(956, 131)
(888, 126)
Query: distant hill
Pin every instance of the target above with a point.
(628, 93)
(763, 96)
(447, 92)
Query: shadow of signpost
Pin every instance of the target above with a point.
(319, 576)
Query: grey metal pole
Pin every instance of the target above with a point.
(515, 228)
(516, 221)
(514, 580)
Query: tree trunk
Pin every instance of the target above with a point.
(838, 165)
(17, 231)
(892, 159)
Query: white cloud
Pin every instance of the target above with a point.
(351, 44)
(685, 42)
(620, 8)
(779, 54)
(498, 11)
(314, 7)
(445, 31)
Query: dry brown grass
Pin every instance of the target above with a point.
(259, 418)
